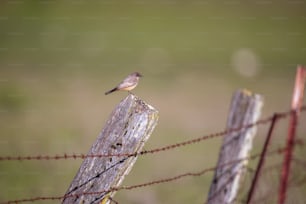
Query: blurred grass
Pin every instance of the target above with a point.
(57, 58)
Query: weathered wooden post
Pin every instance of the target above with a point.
(245, 109)
(126, 131)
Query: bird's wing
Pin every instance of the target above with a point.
(127, 83)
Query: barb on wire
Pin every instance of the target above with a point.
(154, 182)
(152, 151)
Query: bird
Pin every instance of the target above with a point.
(128, 84)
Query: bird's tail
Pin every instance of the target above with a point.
(111, 91)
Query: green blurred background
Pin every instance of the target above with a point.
(57, 58)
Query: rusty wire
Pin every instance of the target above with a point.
(165, 148)
(150, 183)
(152, 151)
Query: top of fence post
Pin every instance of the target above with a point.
(126, 131)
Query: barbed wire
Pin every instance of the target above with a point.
(152, 151)
(150, 183)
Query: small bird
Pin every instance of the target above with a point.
(129, 83)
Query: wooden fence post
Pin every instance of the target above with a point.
(245, 109)
(126, 131)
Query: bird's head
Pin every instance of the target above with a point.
(137, 74)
